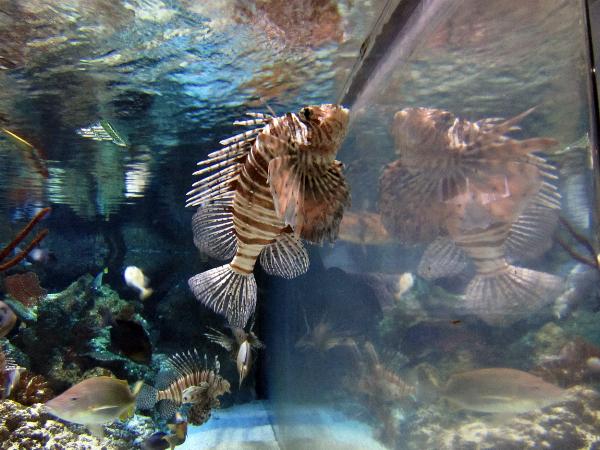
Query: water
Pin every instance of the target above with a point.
(361, 351)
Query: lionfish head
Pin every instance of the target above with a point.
(418, 128)
(329, 120)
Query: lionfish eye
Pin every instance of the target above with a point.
(306, 113)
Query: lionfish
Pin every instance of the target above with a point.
(189, 381)
(240, 347)
(489, 197)
(269, 187)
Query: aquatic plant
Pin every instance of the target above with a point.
(24, 287)
(19, 238)
(31, 389)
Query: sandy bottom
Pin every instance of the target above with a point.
(249, 427)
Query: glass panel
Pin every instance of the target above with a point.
(464, 282)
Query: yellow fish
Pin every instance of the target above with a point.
(135, 278)
(95, 402)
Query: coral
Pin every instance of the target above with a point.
(572, 365)
(24, 287)
(19, 238)
(572, 424)
(70, 335)
(31, 389)
(24, 428)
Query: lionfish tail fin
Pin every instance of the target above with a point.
(512, 295)
(310, 197)
(226, 292)
(286, 257)
(146, 397)
(442, 258)
(214, 232)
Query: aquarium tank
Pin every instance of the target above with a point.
(301, 224)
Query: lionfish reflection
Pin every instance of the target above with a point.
(381, 390)
(189, 381)
(323, 337)
(486, 197)
(269, 187)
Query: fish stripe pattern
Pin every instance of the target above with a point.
(271, 186)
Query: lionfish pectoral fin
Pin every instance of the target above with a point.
(309, 197)
(531, 234)
(286, 257)
(213, 229)
(226, 292)
(511, 295)
(442, 258)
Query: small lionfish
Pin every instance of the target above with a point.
(271, 186)
(191, 382)
(240, 346)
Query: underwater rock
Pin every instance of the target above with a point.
(572, 424)
(23, 428)
(70, 335)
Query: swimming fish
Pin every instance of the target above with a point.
(8, 319)
(10, 373)
(95, 402)
(270, 187)
(131, 339)
(501, 390)
(364, 228)
(240, 347)
(135, 278)
(187, 370)
(162, 441)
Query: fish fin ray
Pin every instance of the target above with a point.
(221, 339)
(412, 223)
(214, 232)
(530, 235)
(97, 430)
(442, 258)
(226, 292)
(286, 257)
(309, 197)
(511, 295)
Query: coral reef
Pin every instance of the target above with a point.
(572, 424)
(24, 428)
(65, 356)
(24, 287)
(31, 389)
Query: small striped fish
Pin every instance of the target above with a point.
(190, 381)
(260, 194)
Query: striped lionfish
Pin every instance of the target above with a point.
(239, 346)
(189, 381)
(490, 194)
(269, 187)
